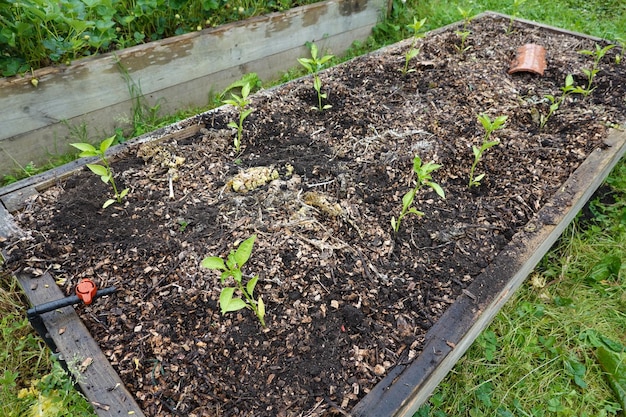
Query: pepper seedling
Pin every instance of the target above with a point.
(240, 102)
(422, 171)
(232, 268)
(103, 171)
(313, 65)
(489, 126)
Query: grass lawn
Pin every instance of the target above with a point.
(538, 357)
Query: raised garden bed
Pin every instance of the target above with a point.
(360, 320)
(174, 73)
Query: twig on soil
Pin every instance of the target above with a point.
(320, 184)
(337, 407)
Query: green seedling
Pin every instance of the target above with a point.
(232, 268)
(516, 6)
(622, 46)
(103, 171)
(466, 14)
(597, 55)
(489, 126)
(313, 65)
(463, 34)
(251, 78)
(240, 102)
(555, 103)
(413, 51)
(424, 178)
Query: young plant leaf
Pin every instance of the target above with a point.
(108, 203)
(99, 170)
(106, 144)
(408, 198)
(250, 286)
(437, 189)
(86, 148)
(228, 303)
(415, 211)
(213, 262)
(243, 252)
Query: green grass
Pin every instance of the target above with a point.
(32, 383)
(538, 356)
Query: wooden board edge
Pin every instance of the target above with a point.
(540, 25)
(14, 196)
(403, 391)
(97, 379)
(8, 227)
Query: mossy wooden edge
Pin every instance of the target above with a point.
(408, 386)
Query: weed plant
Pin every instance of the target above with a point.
(32, 383)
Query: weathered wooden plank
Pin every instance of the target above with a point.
(98, 381)
(15, 195)
(176, 73)
(8, 228)
(407, 387)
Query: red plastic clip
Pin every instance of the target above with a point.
(86, 290)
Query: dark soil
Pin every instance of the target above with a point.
(346, 298)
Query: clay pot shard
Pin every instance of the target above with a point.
(530, 58)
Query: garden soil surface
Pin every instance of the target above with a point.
(346, 297)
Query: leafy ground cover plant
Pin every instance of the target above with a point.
(36, 33)
(240, 102)
(413, 51)
(424, 178)
(103, 171)
(489, 126)
(313, 65)
(591, 73)
(232, 268)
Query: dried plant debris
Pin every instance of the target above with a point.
(346, 298)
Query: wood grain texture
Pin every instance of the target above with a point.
(98, 381)
(175, 73)
(8, 228)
